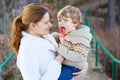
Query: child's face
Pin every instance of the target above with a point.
(67, 23)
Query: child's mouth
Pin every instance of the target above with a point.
(62, 31)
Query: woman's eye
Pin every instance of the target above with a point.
(59, 20)
(46, 22)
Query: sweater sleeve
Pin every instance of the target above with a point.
(30, 67)
(71, 55)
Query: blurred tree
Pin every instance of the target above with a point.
(118, 4)
(111, 14)
(1, 23)
(10, 9)
(57, 3)
(33, 1)
(79, 2)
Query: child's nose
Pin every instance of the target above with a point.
(62, 22)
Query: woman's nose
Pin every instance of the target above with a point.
(50, 24)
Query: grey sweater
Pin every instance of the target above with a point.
(75, 47)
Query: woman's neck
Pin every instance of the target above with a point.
(35, 34)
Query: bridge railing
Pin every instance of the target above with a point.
(98, 43)
(4, 63)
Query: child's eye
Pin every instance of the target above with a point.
(65, 20)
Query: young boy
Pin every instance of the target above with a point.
(74, 43)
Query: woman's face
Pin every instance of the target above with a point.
(42, 27)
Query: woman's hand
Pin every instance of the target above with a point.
(56, 35)
(80, 73)
(59, 58)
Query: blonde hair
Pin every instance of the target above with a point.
(74, 14)
(31, 13)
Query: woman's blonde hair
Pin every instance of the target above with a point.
(31, 13)
(74, 14)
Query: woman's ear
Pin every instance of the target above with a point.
(32, 25)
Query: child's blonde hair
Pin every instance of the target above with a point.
(74, 14)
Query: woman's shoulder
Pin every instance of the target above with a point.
(30, 39)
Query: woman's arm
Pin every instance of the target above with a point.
(56, 35)
(29, 64)
(30, 70)
(59, 58)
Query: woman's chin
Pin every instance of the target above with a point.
(47, 33)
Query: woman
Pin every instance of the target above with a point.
(36, 49)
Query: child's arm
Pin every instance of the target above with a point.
(74, 56)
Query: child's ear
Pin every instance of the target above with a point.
(76, 24)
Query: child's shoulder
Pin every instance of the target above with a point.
(83, 27)
(84, 32)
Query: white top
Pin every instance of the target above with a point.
(36, 58)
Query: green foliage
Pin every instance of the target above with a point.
(103, 6)
(58, 4)
(79, 2)
(50, 1)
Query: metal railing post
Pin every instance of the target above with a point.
(114, 70)
(96, 56)
(7, 60)
(92, 48)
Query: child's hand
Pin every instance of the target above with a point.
(59, 58)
